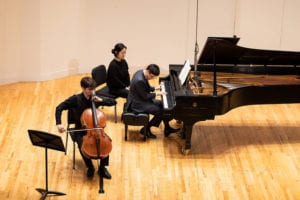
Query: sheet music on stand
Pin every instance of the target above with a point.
(184, 72)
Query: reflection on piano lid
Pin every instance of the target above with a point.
(229, 57)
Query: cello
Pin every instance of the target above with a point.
(96, 143)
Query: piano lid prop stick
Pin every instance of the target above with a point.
(196, 73)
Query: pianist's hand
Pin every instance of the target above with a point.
(160, 93)
(161, 85)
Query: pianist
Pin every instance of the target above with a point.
(141, 99)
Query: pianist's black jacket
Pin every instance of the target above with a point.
(140, 97)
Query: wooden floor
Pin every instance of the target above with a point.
(252, 152)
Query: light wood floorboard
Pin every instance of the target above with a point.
(251, 152)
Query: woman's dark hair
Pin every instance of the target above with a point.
(88, 82)
(118, 47)
(153, 69)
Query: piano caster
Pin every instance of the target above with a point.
(185, 151)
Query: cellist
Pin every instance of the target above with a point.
(78, 103)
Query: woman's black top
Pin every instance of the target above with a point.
(117, 75)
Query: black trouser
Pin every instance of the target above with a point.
(78, 138)
(157, 111)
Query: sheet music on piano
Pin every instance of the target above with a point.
(184, 72)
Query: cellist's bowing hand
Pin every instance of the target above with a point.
(60, 128)
(97, 99)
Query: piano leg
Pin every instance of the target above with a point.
(186, 133)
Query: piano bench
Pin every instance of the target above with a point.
(133, 119)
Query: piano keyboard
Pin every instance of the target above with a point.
(167, 99)
(164, 97)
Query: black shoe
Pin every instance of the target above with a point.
(106, 173)
(170, 130)
(90, 172)
(148, 133)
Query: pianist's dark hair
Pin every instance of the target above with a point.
(153, 69)
(118, 47)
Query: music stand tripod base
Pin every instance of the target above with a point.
(45, 192)
(46, 140)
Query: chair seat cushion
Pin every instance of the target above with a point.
(140, 119)
(105, 92)
(107, 101)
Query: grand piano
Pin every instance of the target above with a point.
(228, 76)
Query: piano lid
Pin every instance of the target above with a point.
(227, 52)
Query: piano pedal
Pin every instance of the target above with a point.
(178, 122)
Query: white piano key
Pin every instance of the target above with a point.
(164, 97)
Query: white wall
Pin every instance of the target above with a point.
(59, 38)
(154, 31)
(42, 39)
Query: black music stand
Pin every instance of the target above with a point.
(46, 140)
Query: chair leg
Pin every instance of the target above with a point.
(66, 147)
(145, 133)
(116, 113)
(73, 155)
(126, 128)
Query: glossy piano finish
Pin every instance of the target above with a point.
(225, 87)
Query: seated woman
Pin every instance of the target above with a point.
(118, 79)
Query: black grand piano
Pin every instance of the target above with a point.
(230, 76)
